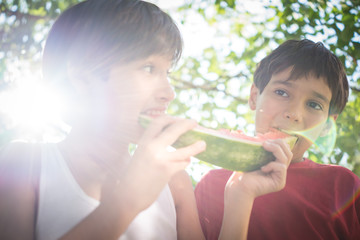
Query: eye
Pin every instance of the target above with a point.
(315, 105)
(149, 68)
(281, 93)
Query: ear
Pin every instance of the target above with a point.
(253, 97)
(328, 125)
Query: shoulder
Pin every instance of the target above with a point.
(17, 147)
(16, 159)
(339, 170)
(345, 177)
(18, 193)
(338, 175)
(14, 152)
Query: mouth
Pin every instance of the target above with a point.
(288, 132)
(154, 113)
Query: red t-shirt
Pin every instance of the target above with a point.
(318, 202)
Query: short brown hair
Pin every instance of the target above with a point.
(306, 57)
(96, 34)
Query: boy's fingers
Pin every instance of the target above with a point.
(280, 149)
(173, 131)
(285, 146)
(277, 151)
(176, 166)
(278, 172)
(157, 126)
(189, 151)
(274, 166)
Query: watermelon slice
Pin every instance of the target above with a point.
(228, 149)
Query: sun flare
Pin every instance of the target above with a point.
(31, 107)
(326, 141)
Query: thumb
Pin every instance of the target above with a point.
(235, 177)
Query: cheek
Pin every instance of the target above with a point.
(315, 119)
(266, 109)
(123, 95)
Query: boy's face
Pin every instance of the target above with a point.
(134, 88)
(293, 105)
(141, 87)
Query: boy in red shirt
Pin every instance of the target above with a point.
(300, 85)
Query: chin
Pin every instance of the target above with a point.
(137, 134)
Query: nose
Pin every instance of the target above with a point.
(292, 115)
(165, 92)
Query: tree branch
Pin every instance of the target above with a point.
(20, 15)
(354, 89)
(206, 88)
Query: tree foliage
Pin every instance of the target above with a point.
(213, 74)
(212, 86)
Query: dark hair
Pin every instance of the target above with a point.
(94, 35)
(306, 57)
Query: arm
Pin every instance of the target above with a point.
(138, 185)
(242, 189)
(236, 215)
(109, 220)
(18, 200)
(18, 195)
(188, 224)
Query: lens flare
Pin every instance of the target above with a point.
(326, 143)
(323, 136)
(346, 205)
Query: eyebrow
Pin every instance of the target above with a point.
(289, 84)
(322, 97)
(283, 82)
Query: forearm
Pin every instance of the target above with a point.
(236, 218)
(187, 218)
(105, 222)
(117, 209)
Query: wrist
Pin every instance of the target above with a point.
(240, 190)
(237, 211)
(240, 196)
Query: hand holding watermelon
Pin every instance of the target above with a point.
(152, 165)
(243, 187)
(269, 178)
(228, 149)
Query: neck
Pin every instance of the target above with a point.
(98, 152)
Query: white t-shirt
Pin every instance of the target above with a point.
(63, 204)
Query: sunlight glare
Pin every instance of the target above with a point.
(325, 143)
(32, 107)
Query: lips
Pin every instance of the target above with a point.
(154, 112)
(289, 132)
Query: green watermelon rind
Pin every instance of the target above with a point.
(235, 155)
(230, 153)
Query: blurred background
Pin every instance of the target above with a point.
(224, 40)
